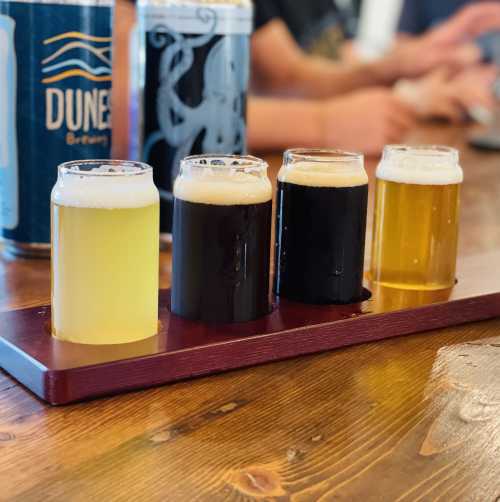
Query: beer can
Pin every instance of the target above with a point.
(55, 106)
(194, 71)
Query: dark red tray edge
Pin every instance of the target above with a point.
(57, 386)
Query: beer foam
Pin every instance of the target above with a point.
(223, 189)
(324, 174)
(420, 167)
(105, 192)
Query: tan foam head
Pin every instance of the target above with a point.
(323, 175)
(225, 182)
(323, 168)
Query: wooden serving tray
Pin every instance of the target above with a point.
(61, 372)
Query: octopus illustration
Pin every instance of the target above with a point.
(220, 113)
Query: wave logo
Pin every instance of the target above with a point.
(62, 63)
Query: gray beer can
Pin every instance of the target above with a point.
(55, 106)
(193, 72)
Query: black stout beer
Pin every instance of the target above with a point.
(221, 239)
(320, 227)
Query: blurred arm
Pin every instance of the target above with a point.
(359, 121)
(277, 124)
(281, 67)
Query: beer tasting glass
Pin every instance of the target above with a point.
(105, 234)
(416, 219)
(221, 239)
(320, 227)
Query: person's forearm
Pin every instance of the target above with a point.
(279, 124)
(281, 67)
(321, 78)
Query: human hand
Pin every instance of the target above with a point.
(467, 24)
(414, 57)
(365, 121)
(441, 95)
(451, 44)
(474, 86)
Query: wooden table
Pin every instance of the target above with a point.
(414, 418)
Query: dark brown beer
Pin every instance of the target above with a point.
(320, 233)
(221, 247)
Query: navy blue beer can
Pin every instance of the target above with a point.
(55, 106)
(194, 71)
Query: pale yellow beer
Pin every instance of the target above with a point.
(105, 232)
(415, 233)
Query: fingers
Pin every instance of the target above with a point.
(471, 98)
(457, 57)
(488, 73)
(473, 88)
(439, 76)
(386, 134)
(391, 132)
(404, 122)
(483, 76)
(478, 105)
(450, 109)
(393, 135)
(474, 20)
(396, 120)
(465, 55)
(469, 23)
(402, 115)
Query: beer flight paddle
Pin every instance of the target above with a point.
(218, 315)
(61, 372)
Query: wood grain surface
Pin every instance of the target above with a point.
(414, 418)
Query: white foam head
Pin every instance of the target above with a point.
(105, 185)
(422, 165)
(223, 181)
(323, 168)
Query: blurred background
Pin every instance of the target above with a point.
(356, 74)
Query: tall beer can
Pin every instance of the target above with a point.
(194, 72)
(55, 106)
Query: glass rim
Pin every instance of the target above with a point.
(239, 162)
(326, 155)
(423, 150)
(70, 168)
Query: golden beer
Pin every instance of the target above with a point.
(105, 232)
(415, 234)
